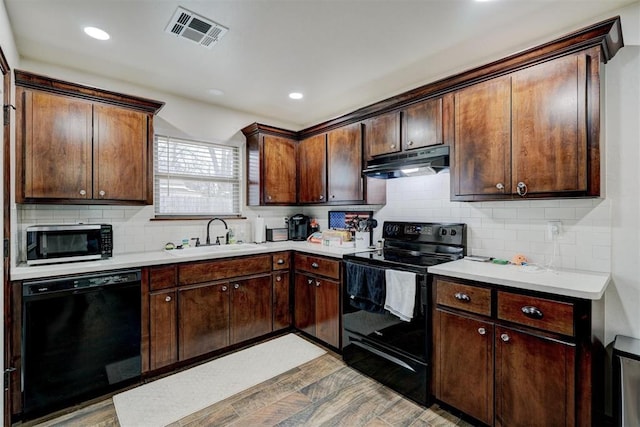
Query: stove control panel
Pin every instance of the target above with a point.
(425, 232)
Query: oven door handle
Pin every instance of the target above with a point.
(375, 351)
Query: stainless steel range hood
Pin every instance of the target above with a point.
(426, 161)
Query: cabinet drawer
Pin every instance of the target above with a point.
(553, 316)
(464, 297)
(207, 271)
(318, 265)
(162, 277)
(281, 260)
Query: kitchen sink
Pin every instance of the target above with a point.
(214, 249)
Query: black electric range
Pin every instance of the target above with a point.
(390, 347)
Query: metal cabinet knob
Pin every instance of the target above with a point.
(393, 146)
(315, 265)
(410, 143)
(268, 197)
(317, 283)
(500, 186)
(278, 279)
(504, 337)
(482, 331)
(522, 189)
(83, 193)
(460, 296)
(167, 298)
(236, 286)
(224, 289)
(310, 281)
(280, 261)
(102, 193)
(321, 197)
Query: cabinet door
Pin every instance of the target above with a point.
(251, 308)
(279, 170)
(57, 146)
(549, 126)
(312, 170)
(422, 124)
(281, 300)
(464, 363)
(203, 319)
(382, 134)
(535, 380)
(163, 330)
(328, 311)
(482, 139)
(305, 304)
(121, 154)
(344, 154)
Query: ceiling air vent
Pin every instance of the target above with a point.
(195, 28)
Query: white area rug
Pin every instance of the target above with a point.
(174, 397)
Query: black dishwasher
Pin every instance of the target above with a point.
(80, 338)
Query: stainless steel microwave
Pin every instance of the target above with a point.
(49, 244)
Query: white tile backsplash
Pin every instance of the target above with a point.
(505, 228)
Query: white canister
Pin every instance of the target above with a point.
(362, 239)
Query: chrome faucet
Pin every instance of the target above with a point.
(226, 236)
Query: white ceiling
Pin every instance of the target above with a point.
(342, 54)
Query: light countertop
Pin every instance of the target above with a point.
(571, 283)
(143, 259)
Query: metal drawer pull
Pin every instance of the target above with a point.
(280, 261)
(317, 284)
(236, 286)
(310, 281)
(482, 331)
(224, 289)
(504, 337)
(532, 312)
(278, 279)
(167, 298)
(315, 265)
(460, 296)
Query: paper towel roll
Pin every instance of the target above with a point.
(259, 232)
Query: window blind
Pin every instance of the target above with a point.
(196, 177)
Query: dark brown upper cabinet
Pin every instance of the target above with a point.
(81, 145)
(527, 125)
(271, 165)
(330, 167)
(312, 169)
(530, 133)
(344, 158)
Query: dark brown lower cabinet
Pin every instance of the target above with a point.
(203, 319)
(162, 329)
(534, 380)
(281, 300)
(465, 357)
(317, 307)
(251, 310)
(511, 358)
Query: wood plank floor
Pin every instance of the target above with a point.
(323, 392)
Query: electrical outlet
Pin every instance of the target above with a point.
(554, 228)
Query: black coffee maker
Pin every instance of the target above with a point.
(299, 227)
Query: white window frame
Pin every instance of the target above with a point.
(229, 174)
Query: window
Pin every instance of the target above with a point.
(196, 178)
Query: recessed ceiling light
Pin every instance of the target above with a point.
(97, 33)
(295, 95)
(216, 92)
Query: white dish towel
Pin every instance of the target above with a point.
(401, 293)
